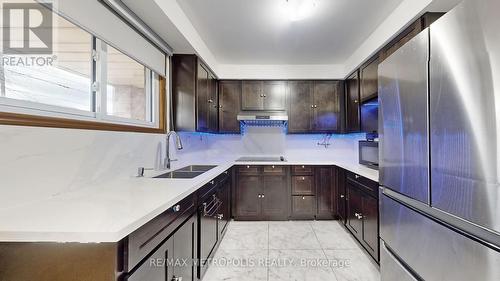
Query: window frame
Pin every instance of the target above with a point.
(29, 113)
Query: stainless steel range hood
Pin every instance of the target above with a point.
(263, 118)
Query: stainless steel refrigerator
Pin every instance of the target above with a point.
(439, 124)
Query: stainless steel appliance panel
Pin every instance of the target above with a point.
(465, 113)
(390, 268)
(432, 250)
(403, 119)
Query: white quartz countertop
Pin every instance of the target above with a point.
(110, 212)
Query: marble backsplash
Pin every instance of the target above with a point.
(38, 163)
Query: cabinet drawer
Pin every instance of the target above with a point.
(274, 170)
(364, 183)
(302, 185)
(142, 241)
(248, 170)
(303, 207)
(302, 170)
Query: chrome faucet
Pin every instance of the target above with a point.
(178, 144)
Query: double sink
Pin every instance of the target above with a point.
(187, 172)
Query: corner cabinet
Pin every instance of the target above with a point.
(315, 106)
(194, 95)
(229, 106)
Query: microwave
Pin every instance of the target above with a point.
(368, 153)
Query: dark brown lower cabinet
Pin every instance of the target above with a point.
(326, 187)
(362, 218)
(303, 207)
(341, 195)
(261, 193)
(167, 262)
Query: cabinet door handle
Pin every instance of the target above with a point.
(342, 196)
(312, 105)
(210, 101)
(356, 176)
(220, 106)
(264, 95)
(315, 106)
(212, 182)
(355, 101)
(262, 196)
(176, 278)
(303, 198)
(303, 166)
(248, 167)
(176, 208)
(272, 166)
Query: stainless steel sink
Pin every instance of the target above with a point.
(187, 172)
(196, 168)
(179, 175)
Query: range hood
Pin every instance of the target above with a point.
(263, 118)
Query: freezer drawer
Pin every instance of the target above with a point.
(432, 250)
(390, 268)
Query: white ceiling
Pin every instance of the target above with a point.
(258, 32)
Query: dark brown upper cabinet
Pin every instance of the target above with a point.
(263, 95)
(315, 106)
(327, 97)
(368, 74)
(300, 106)
(261, 193)
(352, 103)
(194, 95)
(229, 106)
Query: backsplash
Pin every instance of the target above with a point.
(38, 163)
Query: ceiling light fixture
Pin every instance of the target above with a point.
(299, 9)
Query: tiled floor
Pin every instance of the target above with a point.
(290, 250)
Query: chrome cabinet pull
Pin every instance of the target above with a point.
(356, 176)
(176, 208)
(303, 178)
(342, 196)
(212, 182)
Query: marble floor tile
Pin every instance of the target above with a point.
(332, 235)
(245, 235)
(299, 265)
(297, 235)
(353, 265)
(238, 265)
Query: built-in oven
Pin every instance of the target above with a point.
(368, 153)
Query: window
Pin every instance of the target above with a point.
(84, 79)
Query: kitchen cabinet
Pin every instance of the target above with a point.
(224, 194)
(263, 95)
(303, 201)
(194, 95)
(300, 106)
(341, 195)
(303, 207)
(326, 187)
(362, 218)
(406, 35)
(352, 103)
(368, 75)
(168, 259)
(327, 115)
(229, 106)
(259, 193)
(315, 106)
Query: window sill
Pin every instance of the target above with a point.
(17, 119)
